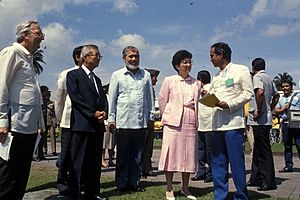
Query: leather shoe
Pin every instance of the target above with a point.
(94, 197)
(252, 184)
(122, 189)
(150, 173)
(172, 197)
(197, 178)
(208, 179)
(137, 189)
(285, 170)
(266, 188)
(189, 196)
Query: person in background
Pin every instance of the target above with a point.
(204, 132)
(40, 154)
(109, 141)
(89, 110)
(232, 85)
(20, 109)
(289, 101)
(260, 118)
(149, 137)
(63, 115)
(178, 105)
(275, 131)
(51, 124)
(131, 112)
(249, 129)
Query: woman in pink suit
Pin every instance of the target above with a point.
(178, 105)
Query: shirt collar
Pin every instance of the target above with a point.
(182, 79)
(86, 70)
(22, 48)
(126, 71)
(261, 72)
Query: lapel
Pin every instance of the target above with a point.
(86, 80)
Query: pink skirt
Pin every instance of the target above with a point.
(179, 146)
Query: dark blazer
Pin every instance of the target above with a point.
(85, 101)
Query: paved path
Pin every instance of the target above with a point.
(288, 183)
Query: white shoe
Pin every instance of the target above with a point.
(189, 196)
(170, 198)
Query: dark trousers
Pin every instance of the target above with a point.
(288, 135)
(204, 154)
(42, 143)
(130, 143)
(64, 160)
(262, 169)
(227, 147)
(14, 173)
(148, 151)
(86, 148)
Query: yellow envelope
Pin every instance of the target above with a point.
(209, 100)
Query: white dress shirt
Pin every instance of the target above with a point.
(63, 105)
(232, 85)
(205, 114)
(19, 91)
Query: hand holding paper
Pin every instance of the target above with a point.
(209, 100)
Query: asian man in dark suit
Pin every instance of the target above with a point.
(89, 110)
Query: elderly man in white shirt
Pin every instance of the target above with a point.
(20, 108)
(63, 109)
(232, 85)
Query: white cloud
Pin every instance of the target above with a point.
(125, 6)
(276, 30)
(261, 9)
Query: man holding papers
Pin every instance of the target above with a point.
(20, 108)
(232, 85)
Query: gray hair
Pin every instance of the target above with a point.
(87, 49)
(129, 48)
(24, 27)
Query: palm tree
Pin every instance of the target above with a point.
(280, 77)
(38, 58)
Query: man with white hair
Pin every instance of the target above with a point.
(20, 109)
(89, 110)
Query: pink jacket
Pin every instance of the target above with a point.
(170, 100)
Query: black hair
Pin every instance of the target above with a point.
(288, 82)
(204, 76)
(179, 56)
(258, 64)
(76, 53)
(222, 48)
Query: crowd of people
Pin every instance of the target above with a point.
(198, 138)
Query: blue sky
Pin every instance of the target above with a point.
(263, 28)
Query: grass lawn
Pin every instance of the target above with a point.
(44, 177)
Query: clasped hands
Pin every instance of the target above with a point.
(3, 134)
(100, 115)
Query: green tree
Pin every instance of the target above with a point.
(280, 77)
(38, 58)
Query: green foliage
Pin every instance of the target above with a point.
(38, 58)
(280, 77)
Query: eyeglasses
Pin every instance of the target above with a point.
(96, 55)
(39, 34)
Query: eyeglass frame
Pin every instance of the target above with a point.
(39, 34)
(96, 54)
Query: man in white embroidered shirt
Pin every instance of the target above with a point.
(20, 108)
(233, 87)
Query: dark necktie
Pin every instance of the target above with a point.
(91, 74)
